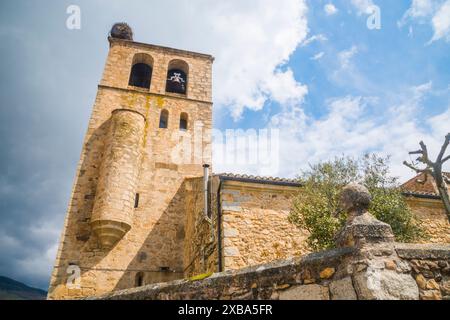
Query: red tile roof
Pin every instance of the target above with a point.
(259, 179)
(416, 186)
(421, 185)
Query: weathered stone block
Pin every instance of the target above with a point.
(230, 233)
(231, 206)
(306, 292)
(431, 295)
(231, 252)
(343, 290)
(376, 284)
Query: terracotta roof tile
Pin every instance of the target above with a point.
(416, 186)
(421, 186)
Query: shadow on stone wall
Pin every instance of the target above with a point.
(160, 256)
(162, 248)
(77, 238)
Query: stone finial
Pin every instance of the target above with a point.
(355, 199)
(361, 227)
(121, 31)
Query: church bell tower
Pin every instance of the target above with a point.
(149, 130)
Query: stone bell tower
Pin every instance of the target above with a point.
(150, 129)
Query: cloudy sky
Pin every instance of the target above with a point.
(312, 70)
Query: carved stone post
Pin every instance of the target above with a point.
(377, 272)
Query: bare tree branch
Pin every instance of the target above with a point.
(435, 170)
(417, 170)
(424, 158)
(444, 148)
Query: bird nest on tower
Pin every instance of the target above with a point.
(121, 31)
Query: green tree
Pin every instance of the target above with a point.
(316, 207)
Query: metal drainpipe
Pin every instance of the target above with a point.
(219, 226)
(205, 192)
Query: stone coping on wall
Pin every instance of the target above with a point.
(265, 281)
(423, 251)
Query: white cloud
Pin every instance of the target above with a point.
(346, 56)
(250, 40)
(353, 126)
(350, 127)
(441, 23)
(440, 124)
(284, 89)
(347, 74)
(39, 265)
(434, 12)
(411, 32)
(318, 56)
(317, 37)
(363, 6)
(419, 9)
(330, 9)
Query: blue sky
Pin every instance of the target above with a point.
(312, 70)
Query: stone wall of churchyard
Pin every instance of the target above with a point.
(409, 272)
(430, 267)
(367, 265)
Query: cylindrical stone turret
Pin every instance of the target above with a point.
(116, 190)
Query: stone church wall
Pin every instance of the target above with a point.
(255, 224)
(254, 229)
(201, 245)
(431, 216)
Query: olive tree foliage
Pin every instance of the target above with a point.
(316, 207)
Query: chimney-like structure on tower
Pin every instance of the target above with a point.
(112, 216)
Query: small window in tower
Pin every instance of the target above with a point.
(183, 121)
(164, 119)
(139, 282)
(136, 200)
(141, 74)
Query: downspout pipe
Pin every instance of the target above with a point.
(219, 226)
(205, 192)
